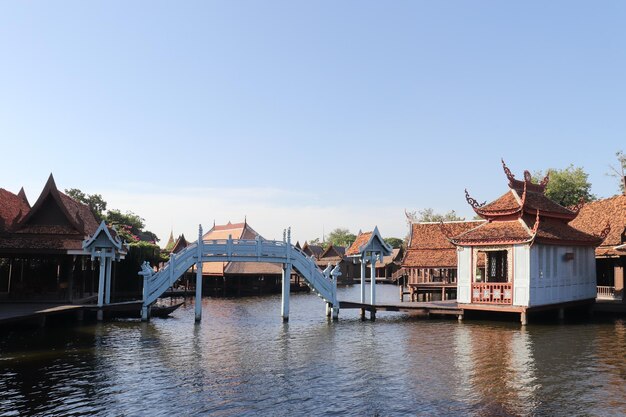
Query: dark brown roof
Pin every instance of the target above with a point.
(55, 223)
(594, 216)
(333, 251)
(312, 250)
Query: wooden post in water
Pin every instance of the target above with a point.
(199, 276)
(373, 287)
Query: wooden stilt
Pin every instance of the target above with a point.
(285, 292)
(561, 313)
(198, 305)
(523, 318)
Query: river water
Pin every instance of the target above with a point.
(242, 360)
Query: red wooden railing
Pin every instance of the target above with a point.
(492, 292)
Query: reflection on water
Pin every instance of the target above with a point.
(242, 360)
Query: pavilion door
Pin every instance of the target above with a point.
(497, 268)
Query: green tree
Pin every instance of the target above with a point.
(619, 171)
(429, 215)
(95, 201)
(394, 242)
(341, 237)
(567, 186)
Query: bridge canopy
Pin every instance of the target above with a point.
(367, 244)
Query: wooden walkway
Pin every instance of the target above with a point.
(11, 313)
(450, 308)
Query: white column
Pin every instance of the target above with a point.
(101, 284)
(107, 292)
(199, 277)
(145, 309)
(373, 281)
(362, 279)
(284, 312)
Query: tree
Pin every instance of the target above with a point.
(567, 186)
(429, 215)
(394, 242)
(95, 201)
(619, 172)
(341, 237)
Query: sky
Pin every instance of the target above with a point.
(310, 115)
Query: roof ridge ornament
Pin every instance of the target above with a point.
(508, 172)
(536, 226)
(527, 176)
(524, 196)
(544, 182)
(472, 202)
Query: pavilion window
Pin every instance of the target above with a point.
(497, 268)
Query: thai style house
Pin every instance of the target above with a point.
(611, 254)
(389, 267)
(230, 278)
(41, 247)
(335, 255)
(312, 250)
(533, 258)
(430, 263)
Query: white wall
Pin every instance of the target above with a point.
(556, 280)
(464, 275)
(521, 275)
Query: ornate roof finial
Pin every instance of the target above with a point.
(544, 182)
(524, 194)
(536, 226)
(507, 171)
(528, 177)
(472, 202)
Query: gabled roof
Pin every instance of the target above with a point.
(367, 242)
(236, 230)
(430, 248)
(106, 237)
(12, 209)
(333, 251)
(22, 194)
(180, 244)
(593, 218)
(523, 196)
(78, 215)
(312, 250)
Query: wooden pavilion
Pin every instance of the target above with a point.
(611, 254)
(430, 263)
(236, 278)
(533, 258)
(41, 252)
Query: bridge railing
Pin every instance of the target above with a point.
(241, 250)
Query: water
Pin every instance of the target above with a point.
(242, 360)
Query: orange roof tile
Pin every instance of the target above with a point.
(361, 240)
(594, 216)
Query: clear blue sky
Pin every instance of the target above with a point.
(314, 114)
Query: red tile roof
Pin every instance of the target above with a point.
(594, 216)
(496, 232)
(12, 208)
(430, 248)
(360, 240)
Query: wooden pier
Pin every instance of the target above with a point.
(441, 308)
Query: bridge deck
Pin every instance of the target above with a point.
(434, 307)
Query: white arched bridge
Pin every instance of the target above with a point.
(323, 283)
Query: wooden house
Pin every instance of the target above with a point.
(41, 252)
(336, 255)
(236, 278)
(430, 263)
(533, 258)
(312, 250)
(611, 254)
(390, 266)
